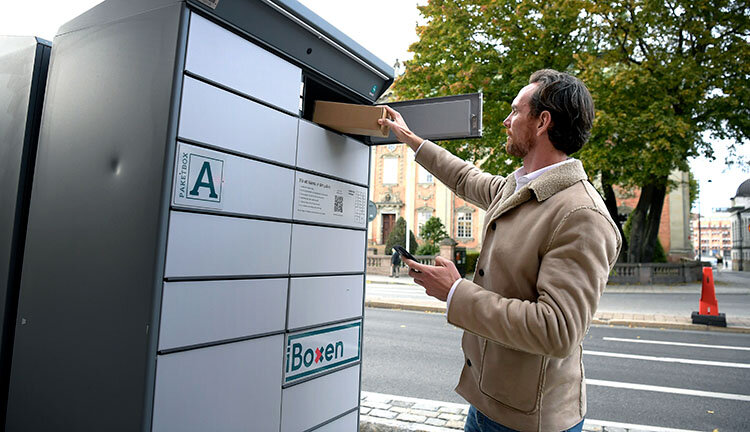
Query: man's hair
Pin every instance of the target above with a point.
(569, 102)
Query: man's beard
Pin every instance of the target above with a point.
(517, 149)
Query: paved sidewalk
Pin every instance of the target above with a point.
(726, 283)
(381, 412)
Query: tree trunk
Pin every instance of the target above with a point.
(611, 202)
(644, 225)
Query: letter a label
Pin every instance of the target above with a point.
(199, 177)
(204, 178)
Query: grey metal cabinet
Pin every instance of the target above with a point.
(182, 266)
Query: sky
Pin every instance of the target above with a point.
(384, 27)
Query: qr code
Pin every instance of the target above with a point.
(338, 203)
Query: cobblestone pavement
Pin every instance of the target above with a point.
(381, 412)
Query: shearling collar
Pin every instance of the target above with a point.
(543, 187)
(557, 179)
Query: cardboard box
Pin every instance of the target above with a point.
(350, 118)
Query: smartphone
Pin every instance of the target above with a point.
(404, 253)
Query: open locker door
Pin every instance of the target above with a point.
(441, 118)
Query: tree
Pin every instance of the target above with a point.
(664, 76)
(433, 231)
(398, 237)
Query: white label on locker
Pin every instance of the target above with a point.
(315, 351)
(318, 199)
(198, 178)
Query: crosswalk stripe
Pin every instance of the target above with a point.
(673, 390)
(726, 347)
(668, 359)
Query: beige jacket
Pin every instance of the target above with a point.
(546, 255)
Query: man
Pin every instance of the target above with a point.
(549, 245)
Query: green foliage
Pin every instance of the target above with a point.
(665, 77)
(428, 249)
(398, 237)
(433, 231)
(471, 260)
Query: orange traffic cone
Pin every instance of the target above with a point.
(708, 307)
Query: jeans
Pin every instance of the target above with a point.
(478, 422)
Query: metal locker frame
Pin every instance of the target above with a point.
(85, 350)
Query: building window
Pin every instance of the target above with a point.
(390, 170)
(424, 176)
(463, 225)
(422, 217)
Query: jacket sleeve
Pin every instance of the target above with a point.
(572, 275)
(461, 177)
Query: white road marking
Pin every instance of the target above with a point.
(727, 347)
(668, 359)
(673, 390)
(590, 422)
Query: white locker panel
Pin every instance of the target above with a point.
(347, 423)
(313, 402)
(331, 202)
(211, 115)
(205, 311)
(329, 153)
(222, 56)
(220, 181)
(317, 300)
(207, 245)
(318, 249)
(228, 387)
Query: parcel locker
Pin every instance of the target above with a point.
(183, 265)
(23, 75)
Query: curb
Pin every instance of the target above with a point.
(429, 308)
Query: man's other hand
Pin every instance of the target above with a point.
(438, 279)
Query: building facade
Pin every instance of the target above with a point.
(402, 188)
(740, 217)
(714, 234)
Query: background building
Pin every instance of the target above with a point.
(715, 235)
(740, 216)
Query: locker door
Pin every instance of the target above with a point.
(441, 118)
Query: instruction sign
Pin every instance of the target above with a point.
(319, 199)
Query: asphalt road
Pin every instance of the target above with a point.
(418, 354)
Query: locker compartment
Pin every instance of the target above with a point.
(232, 184)
(222, 119)
(318, 300)
(202, 245)
(229, 59)
(317, 250)
(313, 402)
(327, 152)
(347, 423)
(330, 202)
(205, 311)
(225, 387)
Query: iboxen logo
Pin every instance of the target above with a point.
(318, 350)
(320, 355)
